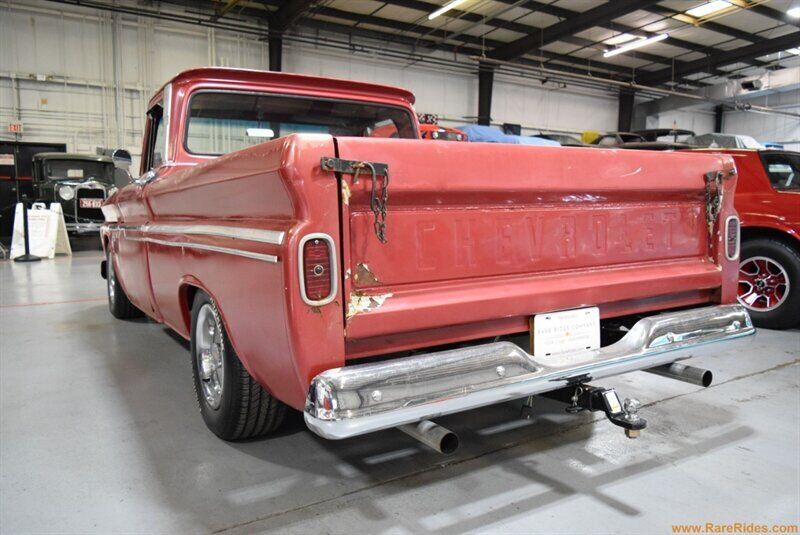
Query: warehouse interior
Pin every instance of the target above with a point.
(100, 430)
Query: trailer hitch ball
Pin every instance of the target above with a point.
(631, 409)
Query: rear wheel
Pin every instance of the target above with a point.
(118, 302)
(234, 406)
(769, 283)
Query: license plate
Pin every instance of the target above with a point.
(91, 203)
(563, 332)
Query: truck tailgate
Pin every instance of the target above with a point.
(478, 232)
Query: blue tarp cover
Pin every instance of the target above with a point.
(488, 134)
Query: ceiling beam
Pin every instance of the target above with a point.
(709, 25)
(220, 11)
(289, 13)
(577, 23)
(427, 7)
(719, 59)
(768, 12)
(565, 63)
(563, 13)
(412, 41)
(442, 35)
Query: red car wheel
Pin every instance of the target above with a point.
(769, 282)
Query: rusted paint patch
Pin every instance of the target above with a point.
(361, 304)
(345, 193)
(364, 275)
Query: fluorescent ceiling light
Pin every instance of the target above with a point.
(634, 45)
(709, 7)
(621, 38)
(794, 12)
(795, 51)
(445, 8)
(260, 132)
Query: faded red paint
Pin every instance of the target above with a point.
(480, 236)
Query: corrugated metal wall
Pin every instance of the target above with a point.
(57, 76)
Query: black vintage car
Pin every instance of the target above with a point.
(80, 182)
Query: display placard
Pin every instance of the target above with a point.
(47, 232)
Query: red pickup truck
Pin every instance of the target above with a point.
(376, 283)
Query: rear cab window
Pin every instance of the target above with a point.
(219, 122)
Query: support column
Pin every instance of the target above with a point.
(275, 43)
(625, 113)
(485, 84)
(718, 113)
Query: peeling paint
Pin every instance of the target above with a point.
(361, 304)
(347, 274)
(345, 193)
(364, 275)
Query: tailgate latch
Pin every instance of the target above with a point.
(379, 195)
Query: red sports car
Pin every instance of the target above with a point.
(442, 133)
(768, 201)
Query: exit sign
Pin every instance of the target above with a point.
(15, 128)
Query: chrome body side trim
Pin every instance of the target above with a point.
(83, 228)
(117, 227)
(738, 237)
(203, 247)
(359, 399)
(274, 237)
(334, 274)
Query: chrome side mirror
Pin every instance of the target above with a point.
(122, 159)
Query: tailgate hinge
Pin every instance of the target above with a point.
(713, 198)
(379, 196)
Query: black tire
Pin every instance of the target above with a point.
(787, 314)
(118, 302)
(243, 409)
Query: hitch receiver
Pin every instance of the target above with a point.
(582, 397)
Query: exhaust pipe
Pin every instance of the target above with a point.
(433, 435)
(682, 372)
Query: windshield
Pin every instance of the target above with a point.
(78, 170)
(783, 170)
(724, 141)
(222, 122)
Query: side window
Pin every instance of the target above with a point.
(156, 151)
(783, 171)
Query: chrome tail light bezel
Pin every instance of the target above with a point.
(334, 271)
(738, 238)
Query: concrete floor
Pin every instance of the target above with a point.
(100, 433)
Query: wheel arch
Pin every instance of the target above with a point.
(187, 290)
(751, 233)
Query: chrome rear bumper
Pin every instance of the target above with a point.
(363, 398)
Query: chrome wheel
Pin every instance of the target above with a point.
(209, 353)
(763, 284)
